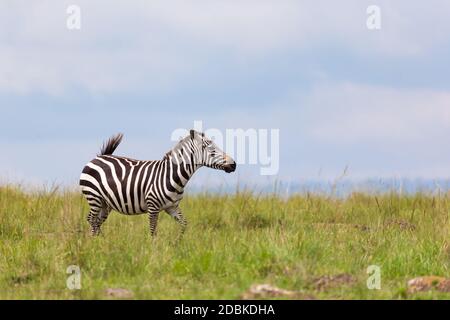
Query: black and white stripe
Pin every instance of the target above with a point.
(135, 187)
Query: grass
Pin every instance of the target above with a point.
(232, 243)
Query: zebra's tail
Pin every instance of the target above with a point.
(111, 145)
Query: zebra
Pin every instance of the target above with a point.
(134, 187)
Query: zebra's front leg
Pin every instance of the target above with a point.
(153, 221)
(176, 213)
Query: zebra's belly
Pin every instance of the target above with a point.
(132, 210)
(171, 199)
(131, 213)
(173, 202)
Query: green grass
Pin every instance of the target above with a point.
(232, 242)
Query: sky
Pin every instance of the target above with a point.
(372, 103)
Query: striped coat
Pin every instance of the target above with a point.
(132, 187)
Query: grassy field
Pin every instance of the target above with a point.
(318, 246)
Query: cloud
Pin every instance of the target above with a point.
(161, 45)
(350, 113)
(339, 93)
(376, 131)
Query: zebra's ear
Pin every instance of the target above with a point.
(192, 134)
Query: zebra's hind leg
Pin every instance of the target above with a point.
(104, 213)
(98, 213)
(176, 213)
(94, 221)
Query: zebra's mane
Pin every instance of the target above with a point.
(176, 147)
(166, 156)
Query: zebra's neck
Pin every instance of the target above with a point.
(179, 169)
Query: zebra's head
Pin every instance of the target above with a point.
(208, 154)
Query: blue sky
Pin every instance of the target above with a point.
(377, 101)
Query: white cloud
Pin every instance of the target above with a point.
(152, 45)
(160, 45)
(376, 131)
(353, 113)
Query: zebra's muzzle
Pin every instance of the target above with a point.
(230, 167)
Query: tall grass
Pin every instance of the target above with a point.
(232, 242)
